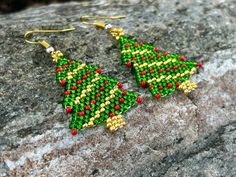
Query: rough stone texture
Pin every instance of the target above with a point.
(180, 135)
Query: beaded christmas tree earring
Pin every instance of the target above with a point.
(159, 71)
(90, 97)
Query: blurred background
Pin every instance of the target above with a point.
(8, 6)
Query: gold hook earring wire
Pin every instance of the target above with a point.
(84, 19)
(43, 43)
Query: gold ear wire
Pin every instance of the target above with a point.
(99, 24)
(43, 43)
(115, 32)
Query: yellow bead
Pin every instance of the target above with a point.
(191, 73)
(90, 123)
(107, 102)
(97, 112)
(112, 128)
(85, 125)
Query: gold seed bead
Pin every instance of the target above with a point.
(90, 123)
(97, 112)
(107, 102)
(102, 105)
(85, 125)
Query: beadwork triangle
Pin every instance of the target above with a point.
(92, 98)
(160, 71)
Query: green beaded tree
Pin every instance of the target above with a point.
(160, 71)
(92, 98)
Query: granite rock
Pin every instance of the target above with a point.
(180, 135)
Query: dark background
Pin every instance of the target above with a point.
(8, 6)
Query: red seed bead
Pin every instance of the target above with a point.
(156, 49)
(98, 95)
(175, 67)
(106, 82)
(169, 85)
(102, 88)
(183, 65)
(160, 70)
(181, 58)
(93, 101)
(177, 84)
(84, 77)
(117, 107)
(199, 64)
(68, 109)
(140, 43)
(71, 62)
(143, 72)
(79, 82)
(120, 85)
(111, 114)
(167, 69)
(143, 83)
(150, 86)
(160, 87)
(58, 70)
(151, 57)
(158, 96)
(151, 71)
(127, 45)
(88, 71)
(128, 64)
(73, 87)
(81, 113)
(143, 58)
(62, 82)
(121, 100)
(165, 53)
(98, 70)
(159, 55)
(135, 45)
(124, 92)
(87, 107)
(64, 66)
(67, 92)
(73, 132)
(139, 100)
(134, 58)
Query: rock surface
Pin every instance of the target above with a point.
(180, 135)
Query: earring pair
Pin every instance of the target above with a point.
(93, 98)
